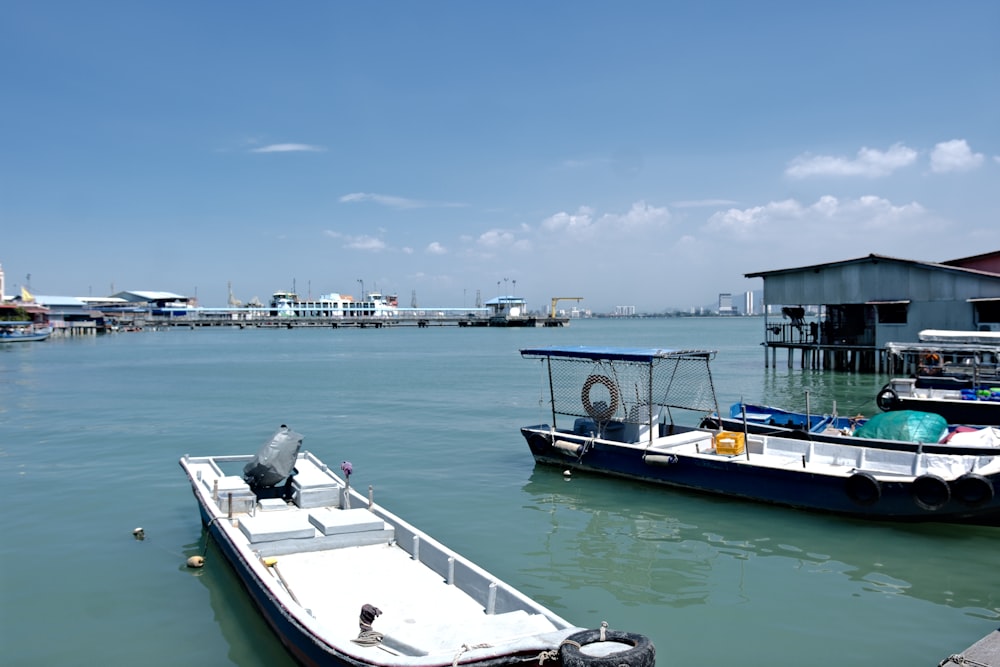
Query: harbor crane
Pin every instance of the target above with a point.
(557, 299)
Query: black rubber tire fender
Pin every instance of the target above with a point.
(863, 488)
(641, 653)
(973, 490)
(931, 492)
(886, 399)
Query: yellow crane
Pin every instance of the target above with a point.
(557, 299)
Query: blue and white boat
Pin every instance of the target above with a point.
(616, 411)
(22, 332)
(343, 581)
(20, 323)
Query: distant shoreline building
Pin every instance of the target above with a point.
(726, 304)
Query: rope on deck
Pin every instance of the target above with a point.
(466, 647)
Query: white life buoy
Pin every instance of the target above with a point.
(600, 411)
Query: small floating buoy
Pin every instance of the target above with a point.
(567, 473)
(139, 534)
(196, 561)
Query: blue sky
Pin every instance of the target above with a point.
(635, 153)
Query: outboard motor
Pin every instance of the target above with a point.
(274, 462)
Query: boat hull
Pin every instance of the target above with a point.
(856, 494)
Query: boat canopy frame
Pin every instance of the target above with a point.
(627, 385)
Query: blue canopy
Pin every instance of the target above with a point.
(598, 353)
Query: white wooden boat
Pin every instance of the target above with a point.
(343, 581)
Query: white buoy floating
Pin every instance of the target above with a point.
(567, 474)
(196, 561)
(139, 534)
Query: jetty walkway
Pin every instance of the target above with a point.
(195, 319)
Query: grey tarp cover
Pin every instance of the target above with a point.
(275, 460)
(908, 425)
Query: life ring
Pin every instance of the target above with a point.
(930, 492)
(600, 412)
(973, 490)
(641, 652)
(887, 399)
(863, 488)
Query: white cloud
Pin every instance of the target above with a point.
(365, 242)
(495, 238)
(835, 218)
(954, 155)
(393, 201)
(359, 242)
(583, 224)
(436, 248)
(289, 148)
(870, 163)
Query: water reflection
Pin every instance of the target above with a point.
(251, 641)
(672, 548)
(848, 393)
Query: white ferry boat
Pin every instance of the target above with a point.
(333, 305)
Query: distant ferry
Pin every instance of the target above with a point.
(287, 304)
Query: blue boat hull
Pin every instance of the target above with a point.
(858, 496)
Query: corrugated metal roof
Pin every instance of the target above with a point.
(150, 296)
(60, 301)
(872, 258)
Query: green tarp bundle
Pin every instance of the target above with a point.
(907, 425)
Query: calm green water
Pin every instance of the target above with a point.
(92, 430)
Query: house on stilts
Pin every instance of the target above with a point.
(840, 315)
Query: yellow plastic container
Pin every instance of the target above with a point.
(730, 443)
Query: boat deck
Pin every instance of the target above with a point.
(421, 613)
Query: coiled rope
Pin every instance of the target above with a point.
(368, 638)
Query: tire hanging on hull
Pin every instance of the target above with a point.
(641, 654)
(930, 492)
(863, 488)
(973, 490)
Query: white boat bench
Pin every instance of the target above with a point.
(283, 532)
